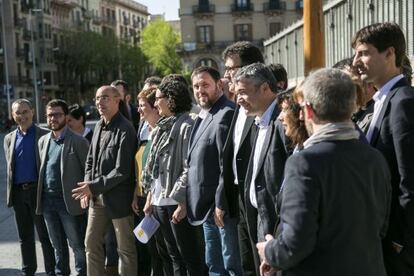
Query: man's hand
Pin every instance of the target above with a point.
(148, 205)
(84, 202)
(266, 269)
(179, 213)
(134, 205)
(219, 217)
(262, 245)
(82, 192)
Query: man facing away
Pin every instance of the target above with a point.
(205, 167)
(379, 54)
(62, 155)
(22, 156)
(109, 184)
(336, 193)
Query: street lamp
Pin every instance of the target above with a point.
(6, 65)
(34, 63)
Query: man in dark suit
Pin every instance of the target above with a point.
(236, 155)
(62, 155)
(256, 91)
(380, 50)
(22, 156)
(336, 193)
(109, 183)
(205, 167)
(126, 107)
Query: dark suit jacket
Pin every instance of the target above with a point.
(335, 210)
(114, 163)
(72, 169)
(394, 137)
(9, 143)
(227, 194)
(268, 179)
(205, 160)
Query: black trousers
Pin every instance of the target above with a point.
(398, 264)
(185, 243)
(24, 205)
(249, 256)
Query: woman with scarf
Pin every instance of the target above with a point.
(165, 177)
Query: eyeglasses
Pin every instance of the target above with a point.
(104, 98)
(232, 68)
(55, 115)
(160, 97)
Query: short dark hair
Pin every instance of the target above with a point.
(23, 101)
(57, 103)
(77, 112)
(120, 82)
(280, 73)
(207, 69)
(382, 36)
(175, 77)
(179, 99)
(153, 80)
(246, 51)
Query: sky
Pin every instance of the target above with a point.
(167, 7)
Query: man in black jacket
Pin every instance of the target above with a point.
(336, 193)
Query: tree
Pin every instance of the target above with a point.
(159, 43)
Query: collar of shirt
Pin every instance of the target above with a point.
(264, 120)
(59, 140)
(30, 130)
(203, 113)
(386, 88)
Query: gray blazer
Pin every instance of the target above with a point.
(9, 143)
(173, 170)
(205, 160)
(72, 168)
(114, 162)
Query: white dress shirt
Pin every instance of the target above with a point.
(237, 133)
(263, 124)
(379, 98)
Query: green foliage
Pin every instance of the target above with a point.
(159, 43)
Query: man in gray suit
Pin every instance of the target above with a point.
(336, 195)
(205, 167)
(22, 156)
(109, 183)
(62, 155)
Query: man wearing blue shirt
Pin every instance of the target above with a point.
(22, 156)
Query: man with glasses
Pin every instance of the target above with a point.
(62, 155)
(22, 156)
(109, 185)
(236, 155)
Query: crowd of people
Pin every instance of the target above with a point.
(244, 176)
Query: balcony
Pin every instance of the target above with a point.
(87, 14)
(204, 10)
(65, 3)
(126, 20)
(20, 53)
(274, 7)
(19, 22)
(109, 21)
(27, 35)
(97, 20)
(239, 10)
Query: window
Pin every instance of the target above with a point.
(274, 28)
(207, 62)
(242, 3)
(243, 32)
(205, 34)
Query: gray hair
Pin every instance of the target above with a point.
(259, 74)
(22, 101)
(331, 93)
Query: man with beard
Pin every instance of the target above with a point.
(205, 168)
(62, 155)
(109, 185)
(22, 156)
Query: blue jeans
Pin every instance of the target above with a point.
(222, 248)
(56, 216)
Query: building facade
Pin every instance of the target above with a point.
(207, 27)
(34, 32)
(342, 19)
